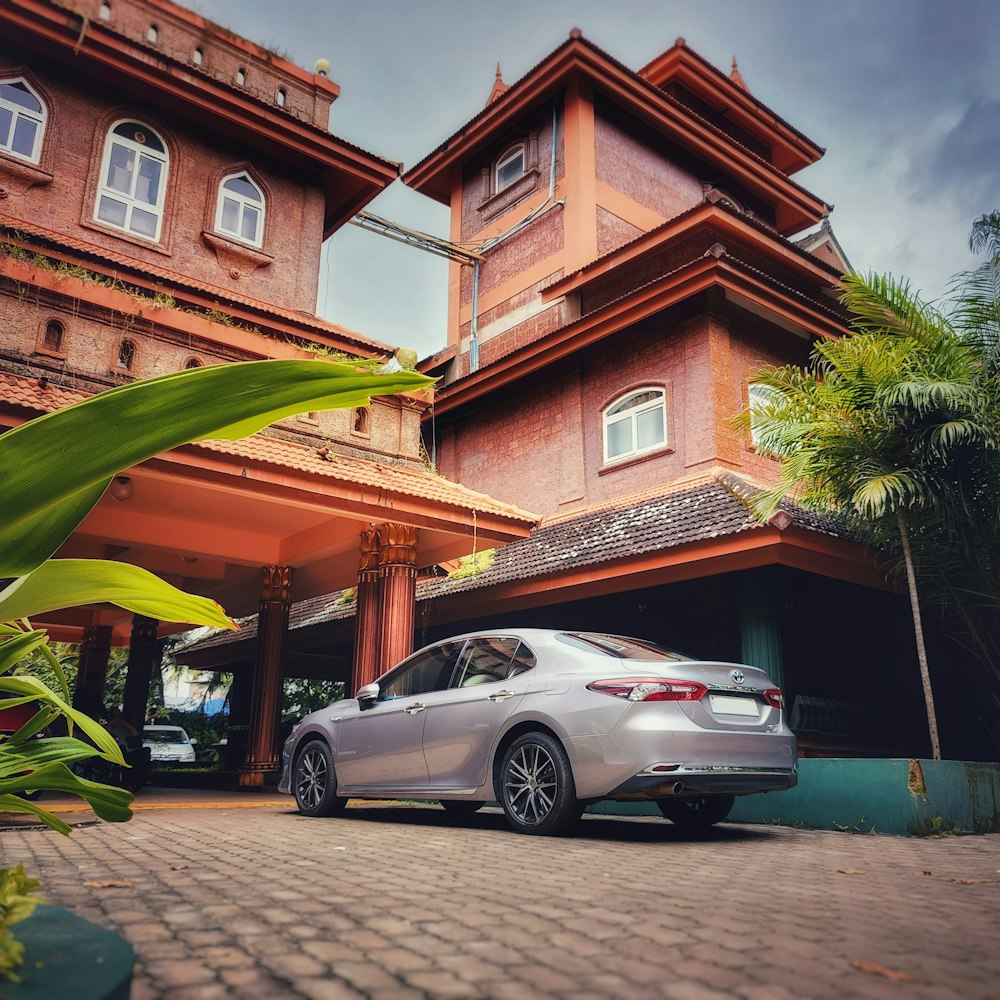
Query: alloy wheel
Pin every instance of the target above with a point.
(531, 784)
(311, 778)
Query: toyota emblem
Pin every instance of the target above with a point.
(737, 676)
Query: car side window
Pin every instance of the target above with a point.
(523, 659)
(425, 672)
(487, 660)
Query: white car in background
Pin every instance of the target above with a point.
(168, 743)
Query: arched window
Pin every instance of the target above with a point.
(361, 420)
(281, 97)
(192, 363)
(133, 180)
(240, 209)
(105, 12)
(126, 355)
(760, 397)
(152, 33)
(634, 424)
(22, 120)
(241, 77)
(52, 339)
(198, 56)
(509, 168)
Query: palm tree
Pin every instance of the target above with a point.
(897, 429)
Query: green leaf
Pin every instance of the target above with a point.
(54, 468)
(67, 583)
(34, 725)
(36, 689)
(16, 648)
(38, 753)
(15, 804)
(109, 803)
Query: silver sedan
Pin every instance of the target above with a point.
(545, 722)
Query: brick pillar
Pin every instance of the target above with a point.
(268, 673)
(92, 672)
(366, 615)
(143, 656)
(397, 570)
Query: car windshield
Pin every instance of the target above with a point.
(622, 646)
(164, 736)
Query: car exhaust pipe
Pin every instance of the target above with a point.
(677, 788)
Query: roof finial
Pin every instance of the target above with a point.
(737, 77)
(499, 88)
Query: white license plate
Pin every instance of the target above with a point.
(725, 705)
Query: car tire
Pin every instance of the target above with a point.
(314, 781)
(460, 808)
(537, 791)
(696, 812)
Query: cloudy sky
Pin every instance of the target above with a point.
(903, 94)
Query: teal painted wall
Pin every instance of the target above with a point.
(908, 797)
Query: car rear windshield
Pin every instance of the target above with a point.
(164, 736)
(622, 646)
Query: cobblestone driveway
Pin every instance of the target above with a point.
(406, 902)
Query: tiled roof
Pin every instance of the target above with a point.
(696, 510)
(385, 481)
(179, 282)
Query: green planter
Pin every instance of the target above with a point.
(68, 956)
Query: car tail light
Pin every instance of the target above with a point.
(649, 689)
(774, 698)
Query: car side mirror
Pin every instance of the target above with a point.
(193, 743)
(367, 695)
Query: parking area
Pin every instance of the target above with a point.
(230, 896)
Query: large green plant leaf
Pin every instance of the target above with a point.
(30, 687)
(54, 468)
(109, 803)
(37, 753)
(67, 583)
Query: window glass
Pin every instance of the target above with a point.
(761, 397)
(510, 167)
(425, 672)
(485, 660)
(622, 646)
(635, 424)
(22, 120)
(133, 180)
(240, 211)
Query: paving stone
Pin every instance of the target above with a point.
(270, 910)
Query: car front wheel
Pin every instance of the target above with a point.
(696, 812)
(314, 781)
(536, 786)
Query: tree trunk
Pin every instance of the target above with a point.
(918, 629)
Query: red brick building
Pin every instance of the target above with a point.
(643, 248)
(646, 247)
(165, 188)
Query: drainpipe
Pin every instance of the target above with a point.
(474, 324)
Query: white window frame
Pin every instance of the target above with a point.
(510, 155)
(243, 202)
(18, 111)
(131, 202)
(631, 414)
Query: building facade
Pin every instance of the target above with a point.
(165, 188)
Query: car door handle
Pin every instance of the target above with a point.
(501, 695)
(416, 707)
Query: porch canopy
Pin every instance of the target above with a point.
(211, 517)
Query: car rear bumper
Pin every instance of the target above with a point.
(705, 781)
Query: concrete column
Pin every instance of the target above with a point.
(143, 656)
(760, 626)
(366, 615)
(92, 672)
(265, 703)
(397, 572)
